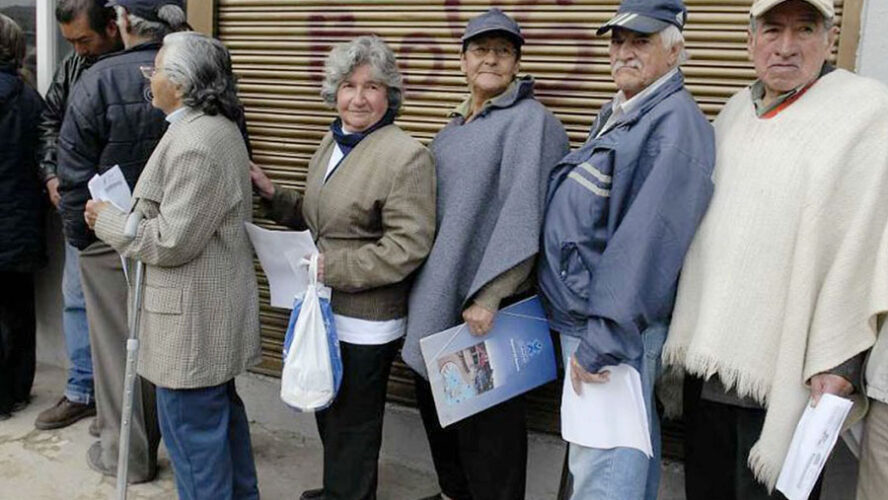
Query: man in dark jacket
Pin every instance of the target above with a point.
(621, 213)
(110, 121)
(91, 29)
(21, 221)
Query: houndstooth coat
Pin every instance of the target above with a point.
(200, 310)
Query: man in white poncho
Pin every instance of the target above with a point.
(783, 285)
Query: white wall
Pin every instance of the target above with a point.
(46, 44)
(872, 52)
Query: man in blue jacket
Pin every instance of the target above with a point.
(621, 213)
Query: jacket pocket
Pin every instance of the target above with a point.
(573, 271)
(162, 300)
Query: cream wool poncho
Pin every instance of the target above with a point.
(789, 269)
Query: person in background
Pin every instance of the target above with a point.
(22, 249)
(621, 213)
(493, 160)
(110, 121)
(200, 314)
(91, 29)
(369, 202)
(787, 276)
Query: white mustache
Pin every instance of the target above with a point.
(623, 64)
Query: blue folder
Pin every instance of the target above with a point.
(469, 374)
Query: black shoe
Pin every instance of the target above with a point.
(315, 494)
(20, 405)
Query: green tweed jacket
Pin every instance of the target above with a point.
(373, 219)
(200, 312)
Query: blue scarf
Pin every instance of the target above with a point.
(347, 142)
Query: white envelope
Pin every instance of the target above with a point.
(111, 186)
(278, 251)
(812, 442)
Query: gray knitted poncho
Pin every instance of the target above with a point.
(492, 177)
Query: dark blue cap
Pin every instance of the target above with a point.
(146, 9)
(490, 21)
(647, 16)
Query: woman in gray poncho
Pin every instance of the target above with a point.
(493, 161)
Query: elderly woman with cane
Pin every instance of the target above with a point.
(199, 320)
(369, 202)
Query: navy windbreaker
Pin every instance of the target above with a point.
(621, 213)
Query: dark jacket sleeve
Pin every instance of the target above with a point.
(53, 114)
(285, 208)
(634, 283)
(81, 141)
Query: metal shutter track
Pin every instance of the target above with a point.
(278, 49)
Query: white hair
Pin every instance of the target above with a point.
(201, 67)
(672, 36)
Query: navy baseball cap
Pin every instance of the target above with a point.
(493, 20)
(647, 16)
(146, 9)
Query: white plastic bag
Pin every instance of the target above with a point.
(312, 366)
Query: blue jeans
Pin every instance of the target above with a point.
(207, 435)
(76, 329)
(621, 473)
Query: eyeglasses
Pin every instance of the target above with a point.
(148, 71)
(499, 52)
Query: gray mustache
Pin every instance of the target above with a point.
(622, 64)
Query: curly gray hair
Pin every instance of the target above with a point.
(201, 67)
(347, 56)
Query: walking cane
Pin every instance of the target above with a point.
(132, 360)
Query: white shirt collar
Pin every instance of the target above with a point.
(177, 114)
(628, 105)
(623, 106)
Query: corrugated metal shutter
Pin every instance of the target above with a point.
(279, 47)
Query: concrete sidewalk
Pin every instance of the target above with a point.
(51, 465)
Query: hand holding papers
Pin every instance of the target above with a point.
(812, 442)
(280, 253)
(469, 374)
(111, 186)
(607, 415)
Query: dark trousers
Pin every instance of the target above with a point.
(483, 457)
(17, 338)
(351, 428)
(207, 435)
(718, 438)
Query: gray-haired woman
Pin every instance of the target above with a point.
(369, 202)
(200, 315)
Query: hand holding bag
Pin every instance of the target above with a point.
(312, 364)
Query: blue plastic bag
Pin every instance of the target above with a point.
(312, 370)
